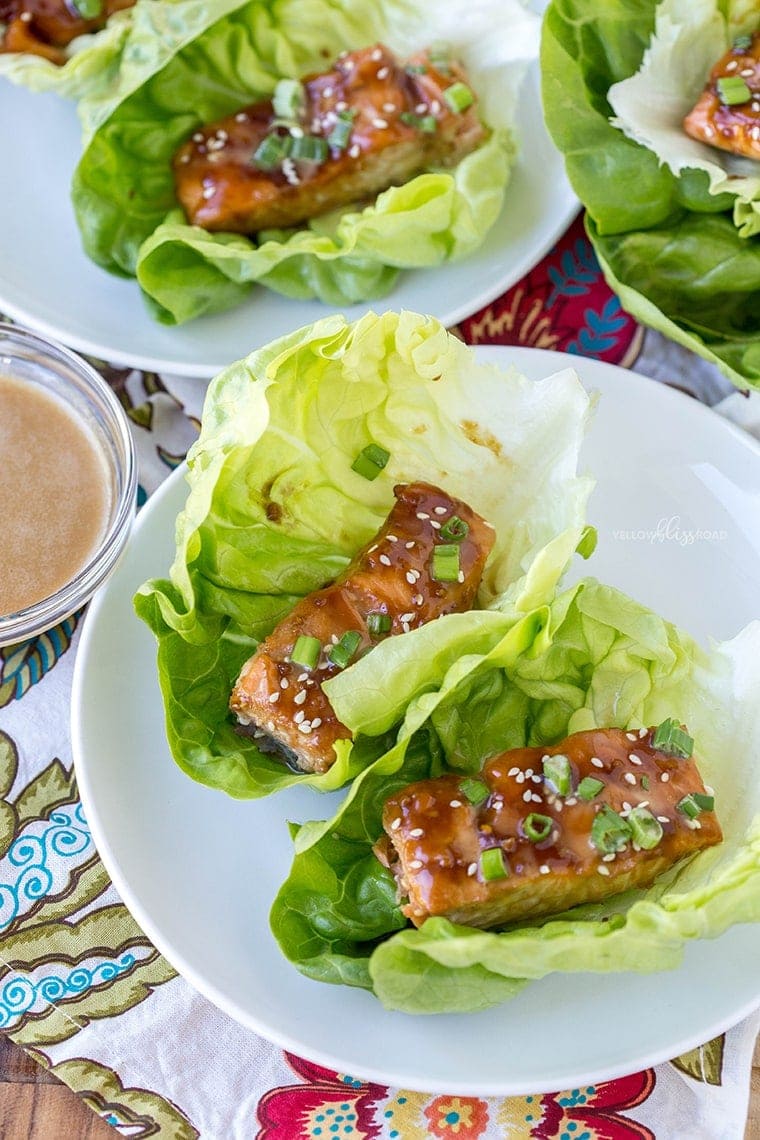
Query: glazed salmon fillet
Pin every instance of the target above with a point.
(727, 114)
(369, 123)
(543, 829)
(45, 27)
(390, 588)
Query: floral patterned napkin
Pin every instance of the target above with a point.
(85, 992)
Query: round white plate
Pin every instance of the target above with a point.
(48, 283)
(199, 871)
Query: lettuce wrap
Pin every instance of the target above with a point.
(274, 511)
(675, 230)
(593, 658)
(123, 188)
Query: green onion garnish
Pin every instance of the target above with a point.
(609, 831)
(537, 827)
(645, 783)
(306, 651)
(459, 97)
(732, 90)
(342, 653)
(694, 804)
(589, 788)
(646, 830)
(415, 69)
(587, 543)
(288, 98)
(428, 124)
(89, 9)
(455, 529)
(557, 773)
(309, 148)
(475, 791)
(493, 864)
(741, 44)
(445, 566)
(670, 737)
(340, 135)
(271, 151)
(378, 623)
(370, 461)
(440, 59)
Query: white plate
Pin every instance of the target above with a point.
(199, 871)
(48, 283)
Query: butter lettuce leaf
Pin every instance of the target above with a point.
(679, 249)
(91, 67)
(274, 511)
(600, 659)
(214, 59)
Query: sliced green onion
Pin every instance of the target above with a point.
(645, 783)
(694, 804)
(493, 865)
(459, 97)
(741, 44)
(445, 566)
(306, 651)
(309, 148)
(732, 90)
(646, 830)
(340, 135)
(589, 788)
(587, 544)
(440, 58)
(670, 737)
(370, 461)
(378, 623)
(475, 791)
(271, 151)
(557, 773)
(537, 827)
(455, 529)
(415, 69)
(428, 124)
(89, 9)
(288, 98)
(609, 831)
(342, 653)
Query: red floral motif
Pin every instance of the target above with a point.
(592, 1113)
(311, 1111)
(464, 1117)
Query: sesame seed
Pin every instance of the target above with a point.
(664, 776)
(755, 105)
(634, 758)
(372, 549)
(732, 66)
(296, 132)
(241, 117)
(289, 170)
(415, 864)
(222, 134)
(305, 676)
(435, 106)
(455, 803)
(597, 762)
(327, 92)
(299, 698)
(440, 510)
(416, 574)
(383, 72)
(520, 778)
(536, 798)
(422, 515)
(626, 806)
(694, 824)
(644, 803)
(208, 192)
(608, 858)
(528, 773)
(570, 801)
(418, 599)
(273, 697)
(747, 71)
(642, 733)
(435, 525)
(664, 818)
(184, 158)
(710, 791)
(603, 869)
(410, 577)
(396, 824)
(341, 105)
(389, 108)
(385, 560)
(354, 151)
(304, 726)
(25, 17)
(407, 617)
(537, 779)
(405, 626)
(631, 736)
(409, 545)
(197, 137)
(381, 124)
(316, 722)
(391, 538)
(460, 576)
(376, 54)
(416, 832)
(754, 133)
(421, 108)
(544, 869)
(298, 717)
(513, 771)
(472, 868)
(629, 778)
(527, 795)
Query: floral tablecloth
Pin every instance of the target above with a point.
(85, 992)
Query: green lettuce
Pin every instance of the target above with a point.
(596, 658)
(91, 67)
(274, 511)
(681, 252)
(174, 80)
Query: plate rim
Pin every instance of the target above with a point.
(218, 998)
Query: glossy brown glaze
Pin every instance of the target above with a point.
(735, 128)
(435, 836)
(221, 188)
(45, 27)
(391, 575)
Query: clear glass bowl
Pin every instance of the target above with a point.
(49, 367)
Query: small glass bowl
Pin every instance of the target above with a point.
(53, 369)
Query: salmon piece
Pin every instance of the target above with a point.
(398, 124)
(45, 27)
(731, 126)
(435, 835)
(283, 702)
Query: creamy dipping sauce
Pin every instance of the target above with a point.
(54, 495)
